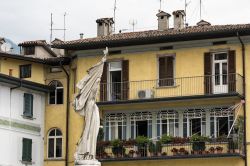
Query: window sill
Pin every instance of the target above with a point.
(29, 118)
(54, 159)
(167, 87)
(27, 162)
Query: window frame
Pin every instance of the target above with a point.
(26, 161)
(21, 73)
(55, 92)
(55, 137)
(29, 50)
(158, 69)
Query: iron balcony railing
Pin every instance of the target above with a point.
(183, 148)
(172, 87)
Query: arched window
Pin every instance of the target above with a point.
(55, 143)
(56, 97)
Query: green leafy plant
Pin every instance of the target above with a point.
(117, 147)
(151, 147)
(166, 139)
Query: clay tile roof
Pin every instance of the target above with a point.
(182, 12)
(203, 23)
(156, 36)
(105, 20)
(33, 43)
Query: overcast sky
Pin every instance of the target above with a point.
(22, 20)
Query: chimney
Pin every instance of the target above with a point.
(203, 23)
(163, 20)
(179, 19)
(81, 35)
(104, 26)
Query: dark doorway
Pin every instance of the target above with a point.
(222, 126)
(142, 128)
(116, 79)
(195, 126)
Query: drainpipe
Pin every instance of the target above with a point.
(244, 91)
(67, 115)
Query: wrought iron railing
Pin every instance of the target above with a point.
(181, 149)
(172, 87)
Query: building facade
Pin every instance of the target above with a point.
(175, 96)
(22, 108)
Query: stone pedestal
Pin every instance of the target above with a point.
(87, 163)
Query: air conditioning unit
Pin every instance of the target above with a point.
(145, 94)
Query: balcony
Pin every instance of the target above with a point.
(178, 148)
(183, 87)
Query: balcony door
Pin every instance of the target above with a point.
(115, 81)
(220, 73)
(195, 126)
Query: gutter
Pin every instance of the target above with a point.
(67, 116)
(243, 49)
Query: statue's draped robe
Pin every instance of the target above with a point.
(85, 105)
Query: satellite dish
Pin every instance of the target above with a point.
(5, 47)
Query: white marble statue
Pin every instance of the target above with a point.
(85, 105)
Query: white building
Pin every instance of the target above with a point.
(22, 106)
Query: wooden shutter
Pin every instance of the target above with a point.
(27, 150)
(166, 71)
(125, 79)
(208, 73)
(231, 71)
(28, 105)
(103, 84)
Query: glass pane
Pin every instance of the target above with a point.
(59, 147)
(217, 74)
(52, 132)
(59, 96)
(112, 130)
(171, 127)
(164, 128)
(51, 147)
(52, 97)
(224, 72)
(114, 66)
(58, 132)
(221, 56)
(120, 132)
(176, 128)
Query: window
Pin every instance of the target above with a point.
(168, 123)
(166, 71)
(29, 50)
(115, 79)
(56, 97)
(25, 71)
(55, 144)
(28, 105)
(27, 150)
(115, 126)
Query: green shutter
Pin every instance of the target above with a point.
(28, 105)
(27, 150)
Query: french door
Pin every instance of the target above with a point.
(220, 73)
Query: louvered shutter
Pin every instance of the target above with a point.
(166, 71)
(103, 84)
(28, 105)
(231, 71)
(27, 150)
(125, 79)
(207, 73)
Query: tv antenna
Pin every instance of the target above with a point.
(186, 5)
(133, 23)
(57, 29)
(200, 8)
(115, 7)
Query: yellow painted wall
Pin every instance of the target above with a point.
(37, 70)
(55, 117)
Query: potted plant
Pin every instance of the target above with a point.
(129, 143)
(142, 143)
(219, 149)
(164, 154)
(180, 140)
(132, 153)
(182, 151)
(174, 151)
(198, 143)
(166, 139)
(151, 148)
(211, 150)
(158, 148)
(117, 148)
